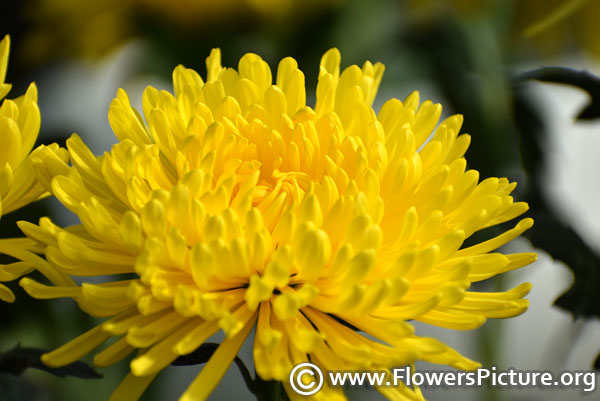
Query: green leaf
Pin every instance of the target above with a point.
(582, 299)
(270, 390)
(203, 353)
(552, 232)
(578, 78)
(18, 359)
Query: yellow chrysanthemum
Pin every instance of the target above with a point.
(19, 127)
(238, 206)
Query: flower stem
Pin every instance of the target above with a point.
(269, 390)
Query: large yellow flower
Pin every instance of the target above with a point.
(238, 206)
(19, 127)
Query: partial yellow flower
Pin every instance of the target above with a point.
(237, 206)
(19, 127)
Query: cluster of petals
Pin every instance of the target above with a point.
(19, 128)
(230, 205)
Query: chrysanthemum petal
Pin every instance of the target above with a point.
(131, 387)
(6, 294)
(216, 366)
(75, 349)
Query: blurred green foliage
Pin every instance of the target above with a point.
(466, 59)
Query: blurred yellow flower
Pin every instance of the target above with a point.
(19, 127)
(237, 206)
(92, 28)
(71, 27)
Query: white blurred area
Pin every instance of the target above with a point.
(76, 98)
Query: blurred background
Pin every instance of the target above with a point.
(521, 72)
